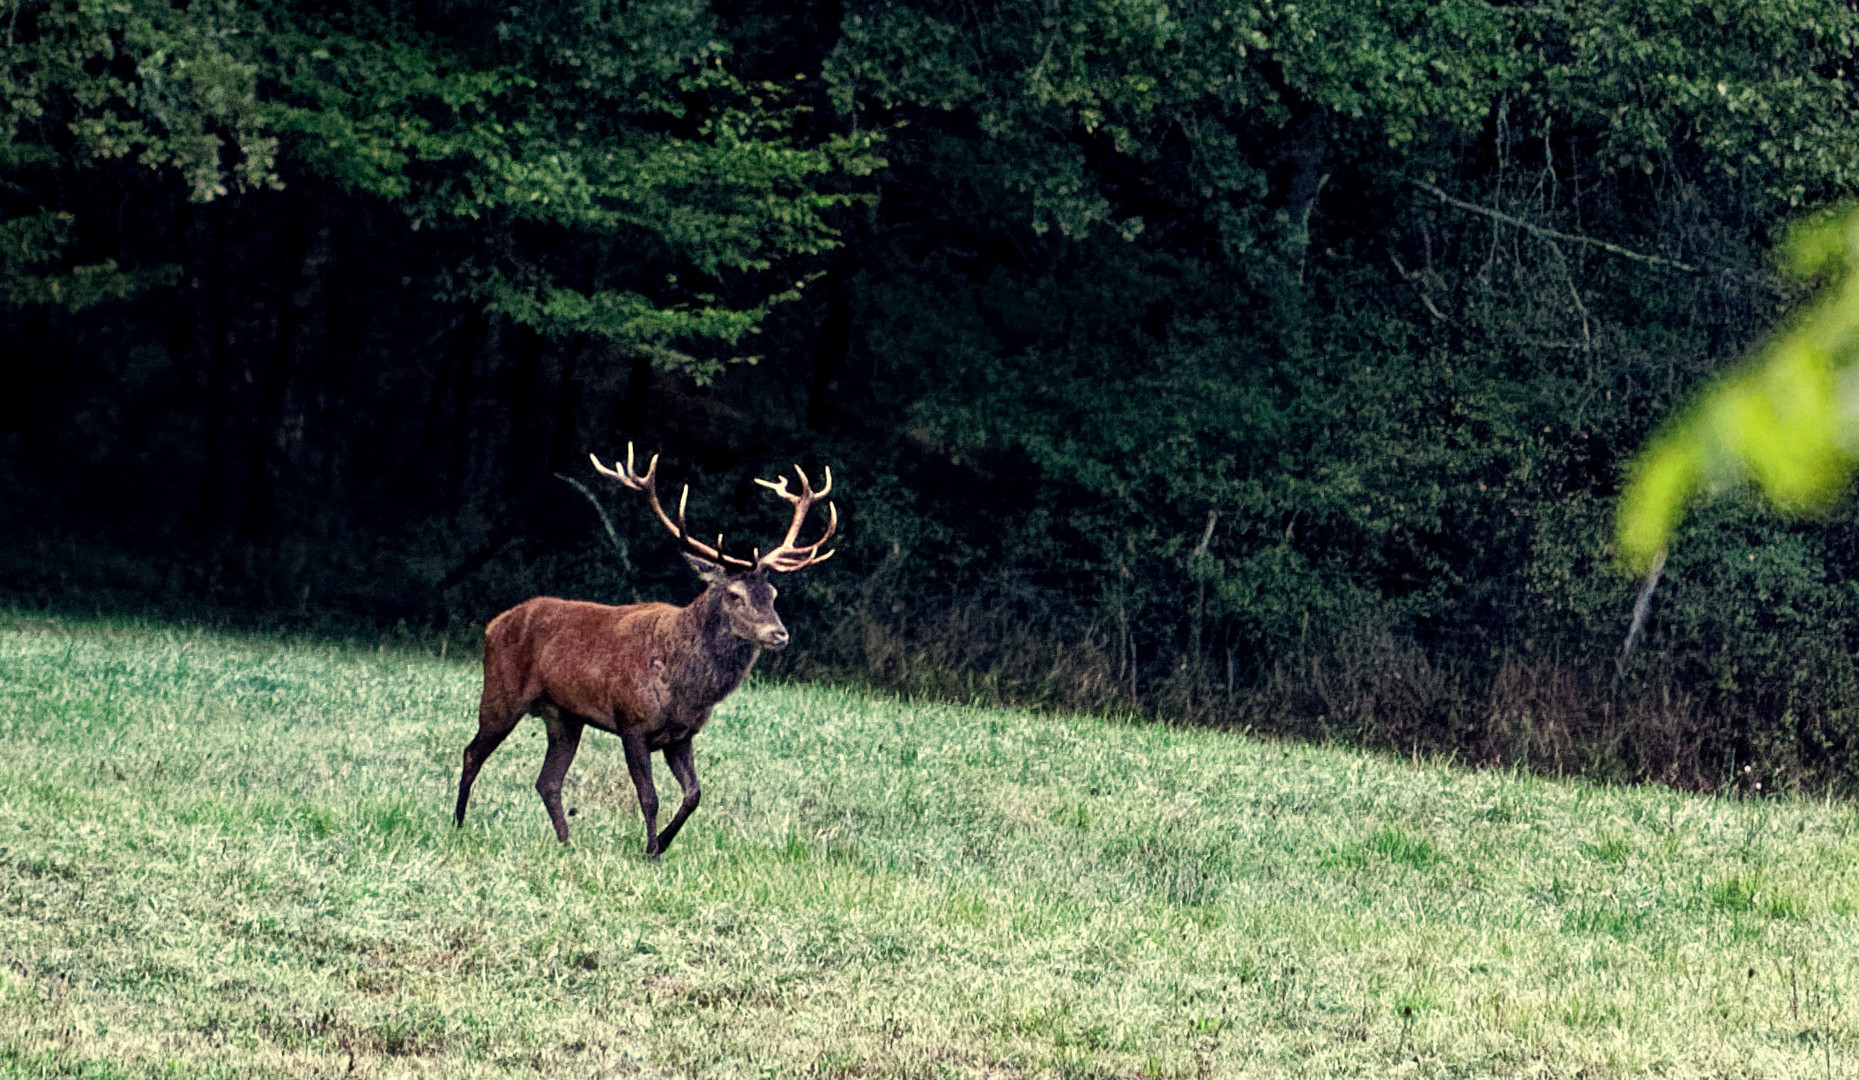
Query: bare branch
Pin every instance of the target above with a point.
(1207, 534)
(1420, 290)
(1640, 607)
(1553, 234)
(605, 521)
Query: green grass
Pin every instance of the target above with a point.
(233, 856)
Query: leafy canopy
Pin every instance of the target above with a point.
(594, 167)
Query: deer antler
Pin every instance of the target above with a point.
(789, 556)
(628, 475)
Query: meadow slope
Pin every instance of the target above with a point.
(227, 855)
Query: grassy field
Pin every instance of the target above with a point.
(233, 856)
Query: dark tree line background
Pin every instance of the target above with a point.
(1262, 363)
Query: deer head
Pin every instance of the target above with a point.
(747, 598)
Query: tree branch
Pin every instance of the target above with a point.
(605, 521)
(1640, 608)
(1419, 289)
(1552, 234)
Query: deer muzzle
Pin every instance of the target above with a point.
(772, 638)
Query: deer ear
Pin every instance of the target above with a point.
(709, 571)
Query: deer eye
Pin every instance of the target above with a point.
(738, 593)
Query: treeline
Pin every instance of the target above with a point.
(1262, 363)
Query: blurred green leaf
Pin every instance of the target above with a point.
(1783, 419)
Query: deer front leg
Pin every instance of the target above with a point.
(678, 756)
(564, 740)
(639, 764)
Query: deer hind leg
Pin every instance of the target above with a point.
(497, 718)
(639, 764)
(678, 756)
(564, 740)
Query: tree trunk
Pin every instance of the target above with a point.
(1308, 141)
(526, 448)
(215, 353)
(20, 364)
(638, 391)
(565, 438)
(834, 350)
(301, 309)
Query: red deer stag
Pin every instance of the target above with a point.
(649, 673)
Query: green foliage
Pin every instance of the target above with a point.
(621, 127)
(606, 127)
(34, 270)
(1207, 323)
(1783, 419)
(167, 88)
(86, 85)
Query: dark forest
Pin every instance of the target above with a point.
(1263, 364)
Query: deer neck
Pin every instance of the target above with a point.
(722, 660)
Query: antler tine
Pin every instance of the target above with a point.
(789, 556)
(628, 474)
(779, 487)
(629, 477)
